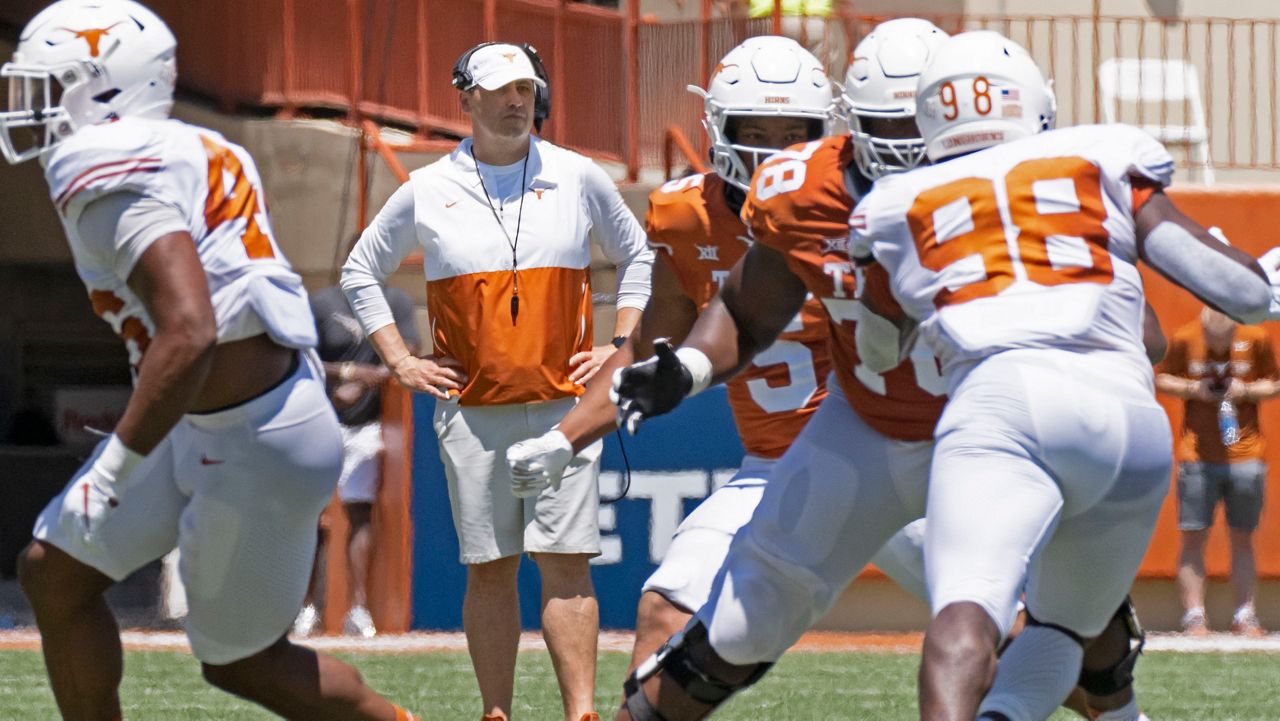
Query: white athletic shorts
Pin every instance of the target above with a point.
(490, 521)
(702, 541)
(361, 456)
(1050, 466)
(239, 492)
(832, 501)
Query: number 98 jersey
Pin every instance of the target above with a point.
(214, 189)
(799, 205)
(1029, 244)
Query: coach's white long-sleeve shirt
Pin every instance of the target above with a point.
(467, 261)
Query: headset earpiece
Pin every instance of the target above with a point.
(462, 80)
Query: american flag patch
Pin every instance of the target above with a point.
(1010, 93)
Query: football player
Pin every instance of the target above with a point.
(228, 448)
(857, 472)
(1016, 252)
(768, 93)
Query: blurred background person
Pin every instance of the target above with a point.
(354, 376)
(1222, 370)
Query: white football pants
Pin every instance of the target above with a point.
(1050, 467)
(832, 501)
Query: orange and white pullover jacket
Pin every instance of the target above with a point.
(465, 218)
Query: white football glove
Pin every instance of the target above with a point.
(538, 463)
(96, 488)
(1270, 263)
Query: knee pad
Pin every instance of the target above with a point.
(688, 660)
(1118, 677)
(1033, 621)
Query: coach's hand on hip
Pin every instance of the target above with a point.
(584, 365)
(436, 375)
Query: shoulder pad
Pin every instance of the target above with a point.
(103, 159)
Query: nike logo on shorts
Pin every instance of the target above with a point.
(206, 461)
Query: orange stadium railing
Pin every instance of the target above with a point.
(619, 78)
(674, 139)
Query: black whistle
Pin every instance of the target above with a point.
(515, 308)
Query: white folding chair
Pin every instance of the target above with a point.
(1153, 80)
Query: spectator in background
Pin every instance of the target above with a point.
(808, 22)
(502, 223)
(353, 378)
(1222, 370)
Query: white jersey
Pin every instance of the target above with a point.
(214, 186)
(1030, 244)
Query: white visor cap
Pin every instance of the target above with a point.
(494, 66)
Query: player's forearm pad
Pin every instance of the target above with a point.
(1235, 289)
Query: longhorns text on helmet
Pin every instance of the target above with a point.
(767, 76)
(880, 85)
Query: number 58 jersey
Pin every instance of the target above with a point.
(799, 206)
(214, 189)
(1030, 244)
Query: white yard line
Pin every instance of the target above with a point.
(423, 642)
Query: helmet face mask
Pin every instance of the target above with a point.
(81, 63)
(879, 95)
(764, 77)
(882, 152)
(35, 118)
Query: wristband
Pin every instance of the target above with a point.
(699, 367)
(116, 460)
(346, 371)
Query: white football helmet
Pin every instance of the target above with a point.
(85, 62)
(764, 76)
(981, 89)
(880, 94)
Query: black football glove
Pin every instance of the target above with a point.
(650, 388)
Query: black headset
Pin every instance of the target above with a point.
(462, 80)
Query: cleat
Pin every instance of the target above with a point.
(1194, 623)
(1245, 623)
(305, 624)
(359, 623)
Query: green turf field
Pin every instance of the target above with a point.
(880, 687)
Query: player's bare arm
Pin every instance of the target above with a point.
(1153, 339)
(540, 462)
(670, 314)
(170, 282)
(759, 299)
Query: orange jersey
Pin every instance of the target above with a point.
(1250, 358)
(799, 205)
(691, 224)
